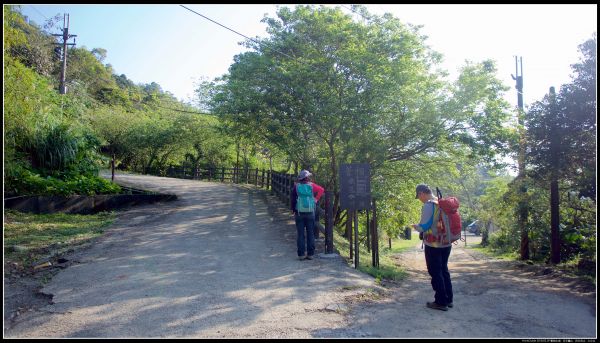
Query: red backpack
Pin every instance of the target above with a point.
(449, 217)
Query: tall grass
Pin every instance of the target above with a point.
(54, 148)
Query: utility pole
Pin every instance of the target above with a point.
(65, 36)
(523, 205)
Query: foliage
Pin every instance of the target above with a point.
(23, 181)
(28, 102)
(27, 43)
(569, 123)
(61, 140)
(87, 70)
(561, 147)
(325, 89)
(53, 148)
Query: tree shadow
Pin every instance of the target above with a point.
(214, 263)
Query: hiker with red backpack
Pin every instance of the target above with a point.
(438, 226)
(305, 196)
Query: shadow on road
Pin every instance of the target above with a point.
(214, 263)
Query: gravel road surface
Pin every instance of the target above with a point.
(214, 263)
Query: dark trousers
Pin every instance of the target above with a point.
(305, 223)
(437, 266)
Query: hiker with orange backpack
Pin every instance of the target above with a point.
(437, 248)
(305, 195)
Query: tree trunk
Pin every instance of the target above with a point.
(147, 166)
(113, 168)
(485, 236)
(333, 183)
(555, 146)
(555, 221)
(523, 214)
(237, 162)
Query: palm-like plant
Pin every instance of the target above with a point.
(53, 149)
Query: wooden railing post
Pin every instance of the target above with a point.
(368, 234)
(328, 222)
(349, 219)
(356, 245)
(281, 185)
(375, 237)
(289, 189)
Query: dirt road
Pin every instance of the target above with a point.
(492, 299)
(221, 262)
(214, 263)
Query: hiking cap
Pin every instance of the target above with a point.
(422, 188)
(303, 174)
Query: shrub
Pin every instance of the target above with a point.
(26, 182)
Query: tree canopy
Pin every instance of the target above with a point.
(327, 89)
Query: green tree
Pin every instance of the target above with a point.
(561, 137)
(85, 68)
(327, 90)
(28, 43)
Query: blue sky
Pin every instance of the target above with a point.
(174, 47)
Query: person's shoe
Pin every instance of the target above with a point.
(301, 258)
(309, 257)
(437, 306)
(450, 305)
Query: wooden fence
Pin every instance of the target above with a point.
(280, 185)
(258, 177)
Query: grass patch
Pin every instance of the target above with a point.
(387, 270)
(401, 245)
(573, 267)
(570, 267)
(27, 236)
(493, 253)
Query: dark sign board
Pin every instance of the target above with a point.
(355, 186)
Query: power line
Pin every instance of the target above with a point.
(318, 67)
(40, 13)
(232, 30)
